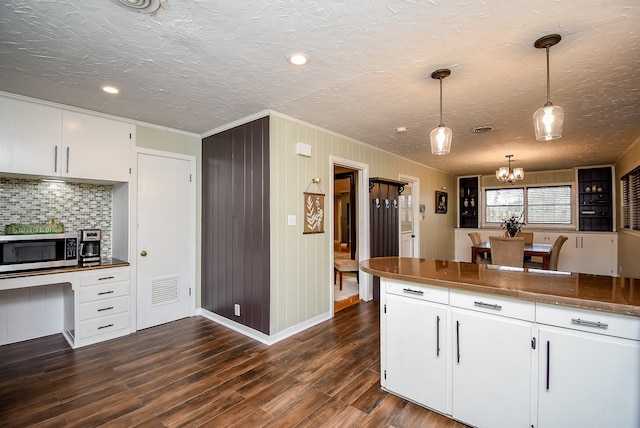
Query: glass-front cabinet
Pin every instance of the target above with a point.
(595, 199)
(468, 202)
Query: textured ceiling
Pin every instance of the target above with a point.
(196, 65)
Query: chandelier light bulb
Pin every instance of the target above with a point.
(506, 175)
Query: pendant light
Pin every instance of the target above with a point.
(506, 175)
(441, 136)
(547, 120)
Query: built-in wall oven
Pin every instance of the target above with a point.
(25, 252)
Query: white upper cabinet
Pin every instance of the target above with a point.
(30, 138)
(94, 147)
(41, 140)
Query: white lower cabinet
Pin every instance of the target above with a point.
(101, 307)
(416, 352)
(492, 361)
(492, 353)
(586, 377)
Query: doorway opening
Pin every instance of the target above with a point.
(346, 277)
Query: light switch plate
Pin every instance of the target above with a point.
(291, 220)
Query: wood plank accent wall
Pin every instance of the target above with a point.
(235, 243)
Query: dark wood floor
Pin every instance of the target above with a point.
(194, 372)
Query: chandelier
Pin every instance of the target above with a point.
(506, 175)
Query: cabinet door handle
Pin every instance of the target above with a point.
(458, 340)
(105, 277)
(488, 305)
(548, 360)
(589, 323)
(105, 326)
(105, 309)
(437, 336)
(67, 160)
(105, 292)
(55, 159)
(408, 290)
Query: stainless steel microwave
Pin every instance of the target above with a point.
(25, 252)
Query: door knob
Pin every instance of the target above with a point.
(143, 253)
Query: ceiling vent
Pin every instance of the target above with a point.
(481, 129)
(142, 6)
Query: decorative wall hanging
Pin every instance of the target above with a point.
(441, 202)
(314, 209)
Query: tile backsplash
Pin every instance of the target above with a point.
(76, 205)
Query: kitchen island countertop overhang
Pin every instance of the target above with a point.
(620, 295)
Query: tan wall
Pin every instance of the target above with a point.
(533, 178)
(301, 275)
(628, 241)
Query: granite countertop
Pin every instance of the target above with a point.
(604, 293)
(104, 264)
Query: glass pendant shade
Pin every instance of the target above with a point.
(547, 122)
(441, 140)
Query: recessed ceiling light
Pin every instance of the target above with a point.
(401, 129)
(298, 59)
(110, 89)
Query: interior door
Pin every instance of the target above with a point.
(165, 255)
(406, 222)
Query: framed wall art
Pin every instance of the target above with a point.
(442, 200)
(313, 212)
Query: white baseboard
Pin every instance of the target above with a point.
(261, 337)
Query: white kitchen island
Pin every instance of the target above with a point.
(501, 348)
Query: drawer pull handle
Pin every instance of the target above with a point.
(105, 309)
(105, 292)
(418, 292)
(105, 277)
(105, 326)
(488, 305)
(437, 336)
(589, 323)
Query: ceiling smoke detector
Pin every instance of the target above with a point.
(481, 129)
(142, 6)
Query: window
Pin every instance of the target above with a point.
(541, 204)
(501, 203)
(549, 205)
(631, 200)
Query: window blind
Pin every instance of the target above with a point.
(631, 200)
(549, 205)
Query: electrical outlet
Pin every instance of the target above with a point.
(236, 310)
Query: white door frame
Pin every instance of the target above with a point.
(365, 289)
(415, 193)
(190, 229)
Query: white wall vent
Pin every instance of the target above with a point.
(164, 290)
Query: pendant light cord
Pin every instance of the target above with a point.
(441, 124)
(548, 85)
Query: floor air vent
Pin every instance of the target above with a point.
(164, 290)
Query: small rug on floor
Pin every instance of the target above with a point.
(349, 287)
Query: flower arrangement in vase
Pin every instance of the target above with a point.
(513, 224)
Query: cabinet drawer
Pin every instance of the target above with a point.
(101, 308)
(606, 323)
(417, 291)
(103, 276)
(104, 291)
(496, 305)
(103, 325)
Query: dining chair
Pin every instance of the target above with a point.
(528, 237)
(553, 258)
(483, 257)
(507, 251)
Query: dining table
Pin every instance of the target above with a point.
(535, 250)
